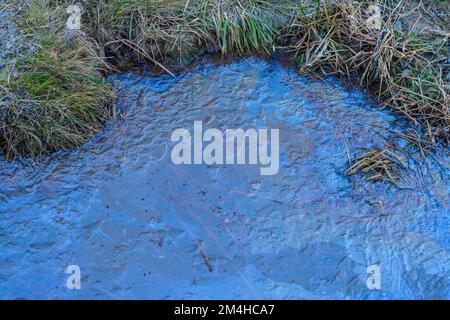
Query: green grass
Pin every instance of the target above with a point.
(55, 98)
(164, 31)
(240, 26)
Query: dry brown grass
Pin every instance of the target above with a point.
(379, 165)
(406, 68)
(406, 71)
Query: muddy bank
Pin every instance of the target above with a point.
(140, 227)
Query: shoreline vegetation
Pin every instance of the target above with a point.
(53, 93)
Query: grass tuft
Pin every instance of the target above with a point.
(378, 165)
(54, 98)
(406, 71)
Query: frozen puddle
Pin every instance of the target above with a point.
(139, 226)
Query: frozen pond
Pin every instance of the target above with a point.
(139, 226)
